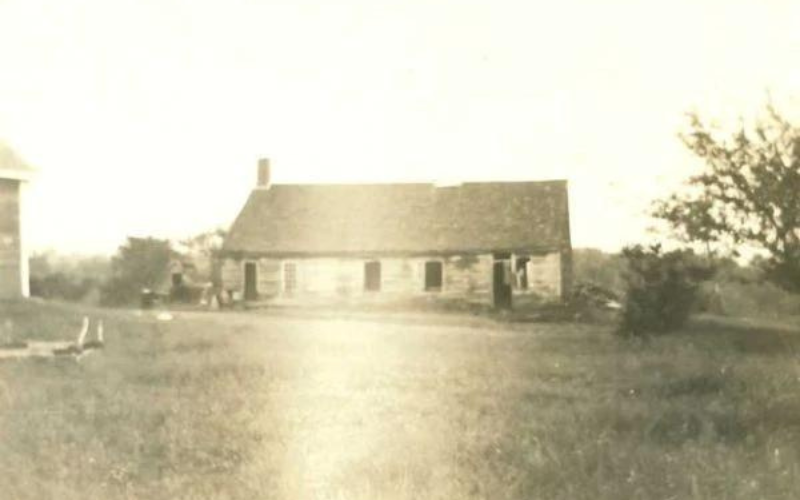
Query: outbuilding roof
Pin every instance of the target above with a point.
(12, 166)
(287, 219)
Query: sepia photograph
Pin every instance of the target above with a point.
(399, 249)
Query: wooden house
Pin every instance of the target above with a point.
(482, 242)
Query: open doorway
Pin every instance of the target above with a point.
(501, 281)
(250, 281)
(177, 280)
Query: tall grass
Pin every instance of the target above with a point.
(230, 406)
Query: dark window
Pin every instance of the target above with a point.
(372, 276)
(433, 276)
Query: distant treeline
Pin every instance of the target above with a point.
(118, 280)
(74, 278)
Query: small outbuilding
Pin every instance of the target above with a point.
(14, 175)
(481, 242)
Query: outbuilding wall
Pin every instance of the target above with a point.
(13, 268)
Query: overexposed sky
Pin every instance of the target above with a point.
(146, 117)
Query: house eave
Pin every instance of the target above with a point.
(249, 254)
(16, 174)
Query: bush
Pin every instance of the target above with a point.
(141, 263)
(61, 286)
(74, 278)
(661, 289)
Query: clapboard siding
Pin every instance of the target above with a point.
(11, 268)
(467, 276)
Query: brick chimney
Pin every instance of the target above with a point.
(263, 174)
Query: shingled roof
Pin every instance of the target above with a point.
(12, 166)
(401, 219)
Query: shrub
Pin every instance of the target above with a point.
(140, 263)
(72, 278)
(61, 286)
(661, 289)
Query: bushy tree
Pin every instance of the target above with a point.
(140, 263)
(748, 193)
(204, 250)
(661, 289)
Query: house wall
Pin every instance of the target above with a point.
(544, 275)
(466, 277)
(13, 267)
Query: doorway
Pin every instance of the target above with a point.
(501, 284)
(250, 281)
(177, 280)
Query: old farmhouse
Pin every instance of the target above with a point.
(481, 242)
(14, 174)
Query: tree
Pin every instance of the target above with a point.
(748, 193)
(140, 263)
(207, 244)
(203, 252)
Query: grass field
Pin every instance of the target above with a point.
(247, 406)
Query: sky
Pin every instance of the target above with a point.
(147, 117)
